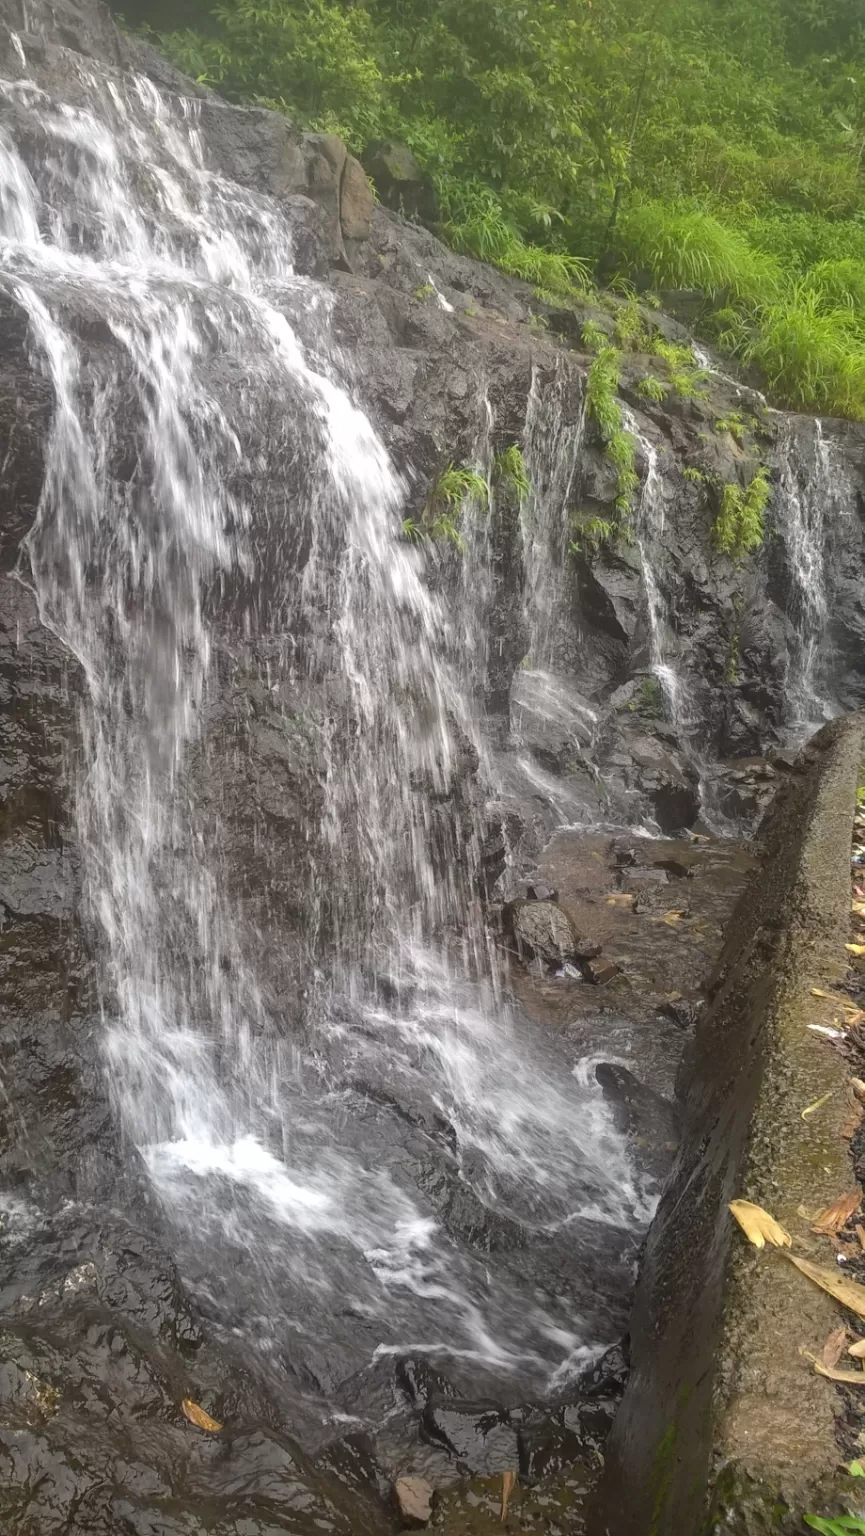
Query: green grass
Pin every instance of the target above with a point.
(509, 468)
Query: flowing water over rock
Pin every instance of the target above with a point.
(812, 502)
(282, 1161)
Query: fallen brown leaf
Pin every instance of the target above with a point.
(832, 997)
(673, 917)
(834, 1347)
(508, 1480)
(853, 1120)
(848, 1292)
(196, 1415)
(838, 1213)
(860, 1233)
(758, 1226)
(853, 1378)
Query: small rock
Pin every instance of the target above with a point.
(541, 931)
(587, 949)
(653, 876)
(600, 971)
(541, 893)
(414, 1500)
(625, 856)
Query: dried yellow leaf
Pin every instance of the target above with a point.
(857, 1350)
(838, 1213)
(832, 997)
(508, 1480)
(855, 949)
(758, 1226)
(811, 1109)
(853, 1378)
(196, 1415)
(848, 1292)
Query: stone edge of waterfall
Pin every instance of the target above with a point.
(721, 1409)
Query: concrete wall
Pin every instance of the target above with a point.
(717, 1378)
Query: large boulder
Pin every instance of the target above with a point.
(399, 180)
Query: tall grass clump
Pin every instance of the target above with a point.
(686, 249)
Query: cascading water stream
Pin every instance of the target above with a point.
(811, 499)
(296, 1213)
(649, 538)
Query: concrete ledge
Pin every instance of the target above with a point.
(717, 1380)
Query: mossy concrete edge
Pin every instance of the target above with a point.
(717, 1377)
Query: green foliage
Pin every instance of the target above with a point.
(451, 490)
(697, 476)
(592, 534)
(739, 526)
(700, 145)
(652, 389)
(649, 700)
(844, 1525)
(509, 468)
(423, 292)
(733, 423)
(592, 337)
(630, 330)
(686, 379)
(619, 448)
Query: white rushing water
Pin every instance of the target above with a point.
(268, 1151)
(649, 522)
(810, 505)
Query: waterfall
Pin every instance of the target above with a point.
(208, 479)
(811, 498)
(649, 538)
(552, 453)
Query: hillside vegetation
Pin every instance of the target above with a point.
(716, 145)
